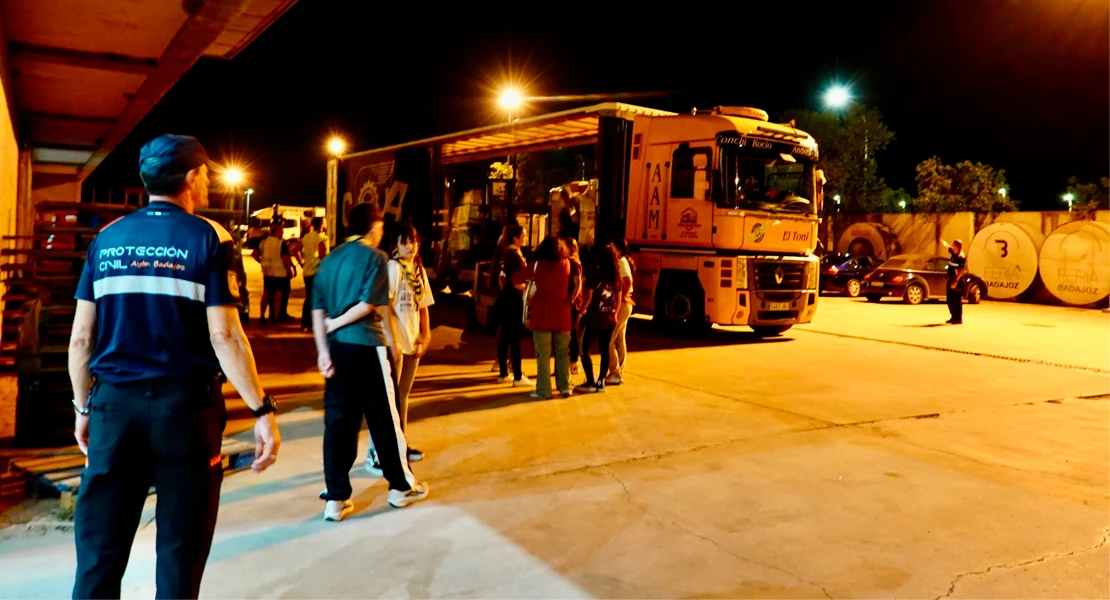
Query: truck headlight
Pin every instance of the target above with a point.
(741, 273)
(814, 275)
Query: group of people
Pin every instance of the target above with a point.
(570, 300)
(277, 255)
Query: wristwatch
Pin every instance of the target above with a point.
(269, 405)
(81, 411)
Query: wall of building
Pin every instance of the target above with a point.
(1076, 257)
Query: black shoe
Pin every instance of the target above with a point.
(415, 455)
(955, 322)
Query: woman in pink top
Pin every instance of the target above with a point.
(549, 315)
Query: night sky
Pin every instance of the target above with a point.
(1023, 85)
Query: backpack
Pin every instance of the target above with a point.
(602, 311)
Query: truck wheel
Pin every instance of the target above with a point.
(681, 308)
(852, 288)
(770, 330)
(915, 294)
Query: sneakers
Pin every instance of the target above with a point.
(399, 499)
(337, 510)
(372, 465)
(613, 380)
(538, 396)
(504, 379)
(585, 388)
(523, 382)
(415, 455)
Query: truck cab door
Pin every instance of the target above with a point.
(688, 217)
(654, 181)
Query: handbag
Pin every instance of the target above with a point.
(529, 291)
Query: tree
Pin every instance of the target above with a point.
(848, 146)
(1090, 196)
(964, 186)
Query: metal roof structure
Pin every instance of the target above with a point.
(86, 72)
(572, 127)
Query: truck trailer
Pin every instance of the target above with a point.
(718, 207)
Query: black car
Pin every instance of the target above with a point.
(916, 278)
(842, 273)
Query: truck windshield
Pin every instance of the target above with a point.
(758, 182)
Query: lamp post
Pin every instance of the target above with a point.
(1069, 198)
(336, 146)
(248, 194)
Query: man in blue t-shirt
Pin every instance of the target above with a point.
(349, 294)
(155, 332)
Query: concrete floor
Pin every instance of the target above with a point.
(868, 455)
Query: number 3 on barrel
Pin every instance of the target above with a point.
(1005, 247)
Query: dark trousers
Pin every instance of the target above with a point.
(955, 299)
(363, 385)
(165, 433)
(603, 336)
(306, 312)
(508, 338)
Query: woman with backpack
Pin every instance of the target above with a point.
(553, 291)
(618, 347)
(602, 298)
(510, 273)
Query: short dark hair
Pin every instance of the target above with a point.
(317, 223)
(362, 217)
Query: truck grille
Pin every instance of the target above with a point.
(780, 276)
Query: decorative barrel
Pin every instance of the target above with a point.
(1005, 256)
(868, 239)
(1075, 262)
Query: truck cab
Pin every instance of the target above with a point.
(722, 219)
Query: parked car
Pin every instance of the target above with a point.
(845, 273)
(916, 278)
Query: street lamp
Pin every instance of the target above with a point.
(510, 100)
(336, 146)
(233, 176)
(902, 205)
(838, 96)
(1069, 198)
(1003, 192)
(836, 198)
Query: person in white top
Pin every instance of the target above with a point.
(408, 330)
(618, 346)
(315, 249)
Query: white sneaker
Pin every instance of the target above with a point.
(418, 492)
(523, 382)
(613, 380)
(505, 379)
(337, 510)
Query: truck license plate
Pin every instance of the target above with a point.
(778, 306)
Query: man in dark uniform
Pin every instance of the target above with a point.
(957, 267)
(157, 322)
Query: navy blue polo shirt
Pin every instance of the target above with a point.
(152, 274)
